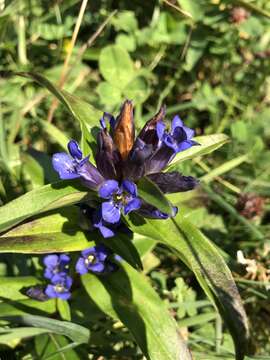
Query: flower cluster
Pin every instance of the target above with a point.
(97, 259)
(56, 270)
(122, 159)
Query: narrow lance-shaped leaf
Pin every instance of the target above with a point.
(40, 200)
(61, 232)
(76, 333)
(127, 295)
(85, 113)
(207, 144)
(202, 257)
(51, 233)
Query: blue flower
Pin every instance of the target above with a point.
(55, 264)
(93, 259)
(74, 166)
(180, 136)
(122, 197)
(101, 225)
(59, 287)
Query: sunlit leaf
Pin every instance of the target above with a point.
(203, 258)
(207, 144)
(127, 295)
(40, 200)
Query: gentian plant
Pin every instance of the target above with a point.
(123, 159)
(111, 206)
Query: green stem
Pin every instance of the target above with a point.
(22, 54)
(218, 329)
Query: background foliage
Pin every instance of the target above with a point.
(209, 62)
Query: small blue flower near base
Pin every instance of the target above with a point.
(93, 259)
(122, 197)
(59, 287)
(55, 264)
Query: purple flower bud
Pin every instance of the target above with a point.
(151, 212)
(173, 182)
(74, 150)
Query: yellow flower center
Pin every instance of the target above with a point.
(59, 288)
(90, 259)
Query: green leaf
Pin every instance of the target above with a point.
(19, 307)
(225, 167)
(137, 90)
(55, 347)
(20, 333)
(86, 114)
(50, 233)
(151, 193)
(63, 309)
(32, 169)
(56, 135)
(76, 333)
(127, 295)
(116, 66)
(208, 143)
(56, 232)
(203, 258)
(109, 94)
(194, 8)
(40, 200)
(122, 245)
(10, 287)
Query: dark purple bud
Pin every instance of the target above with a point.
(159, 160)
(133, 168)
(89, 175)
(107, 158)
(37, 293)
(74, 150)
(140, 152)
(148, 133)
(108, 119)
(173, 182)
(151, 212)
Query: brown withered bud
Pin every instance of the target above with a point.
(124, 131)
(148, 133)
(239, 15)
(250, 206)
